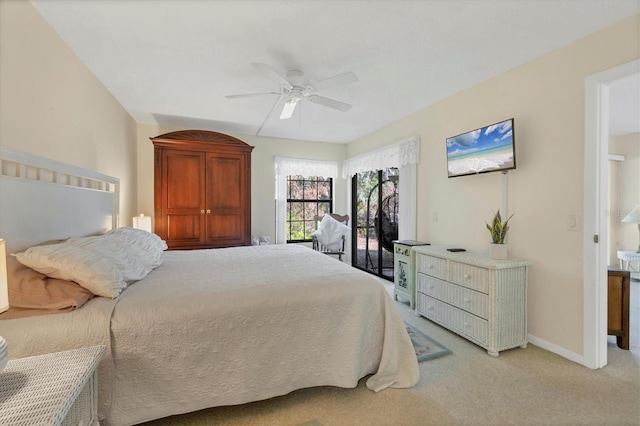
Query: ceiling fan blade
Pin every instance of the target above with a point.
(336, 80)
(288, 108)
(268, 115)
(331, 103)
(251, 95)
(266, 69)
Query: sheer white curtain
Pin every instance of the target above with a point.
(286, 166)
(397, 155)
(403, 155)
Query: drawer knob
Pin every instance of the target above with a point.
(430, 307)
(430, 286)
(467, 276)
(430, 266)
(466, 324)
(467, 300)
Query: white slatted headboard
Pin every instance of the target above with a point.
(43, 199)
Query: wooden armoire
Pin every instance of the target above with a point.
(202, 189)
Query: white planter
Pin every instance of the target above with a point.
(498, 251)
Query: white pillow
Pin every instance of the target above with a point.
(102, 264)
(116, 252)
(146, 246)
(330, 232)
(66, 261)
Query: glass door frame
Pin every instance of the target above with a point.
(379, 268)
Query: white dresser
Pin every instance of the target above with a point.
(482, 299)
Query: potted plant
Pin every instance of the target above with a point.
(498, 230)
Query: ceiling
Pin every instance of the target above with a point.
(172, 62)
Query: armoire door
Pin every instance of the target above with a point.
(184, 195)
(202, 189)
(227, 198)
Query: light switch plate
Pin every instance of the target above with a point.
(574, 223)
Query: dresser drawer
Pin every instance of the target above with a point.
(433, 266)
(473, 277)
(463, 298)
(461, 322)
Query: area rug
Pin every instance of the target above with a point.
(425, 347)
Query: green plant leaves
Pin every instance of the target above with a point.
(498, 229)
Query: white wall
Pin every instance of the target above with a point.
(546, 98)
(51, 105)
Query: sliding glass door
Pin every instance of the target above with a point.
(375, 211)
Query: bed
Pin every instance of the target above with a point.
(205, 328)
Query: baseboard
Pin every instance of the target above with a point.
(548, 346)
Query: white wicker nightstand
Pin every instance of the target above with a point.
(404, 266)
(53, 389)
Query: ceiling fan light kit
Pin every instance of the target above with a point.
(288, 108)
(293, 94)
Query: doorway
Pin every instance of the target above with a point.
(376, 213)
(597, 106)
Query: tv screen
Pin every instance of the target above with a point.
(488, 149)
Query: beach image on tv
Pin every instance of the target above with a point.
(487, 149)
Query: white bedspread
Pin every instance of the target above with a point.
(230, 326)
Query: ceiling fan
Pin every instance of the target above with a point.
(294, 93)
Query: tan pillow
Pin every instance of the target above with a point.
(32, 293)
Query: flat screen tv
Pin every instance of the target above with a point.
(488, 149)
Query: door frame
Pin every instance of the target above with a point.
(596, 154)
(354, 226)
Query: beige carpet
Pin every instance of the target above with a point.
(522, 387)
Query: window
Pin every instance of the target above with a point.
(300, 169)
(307, 197)
(383, 181)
